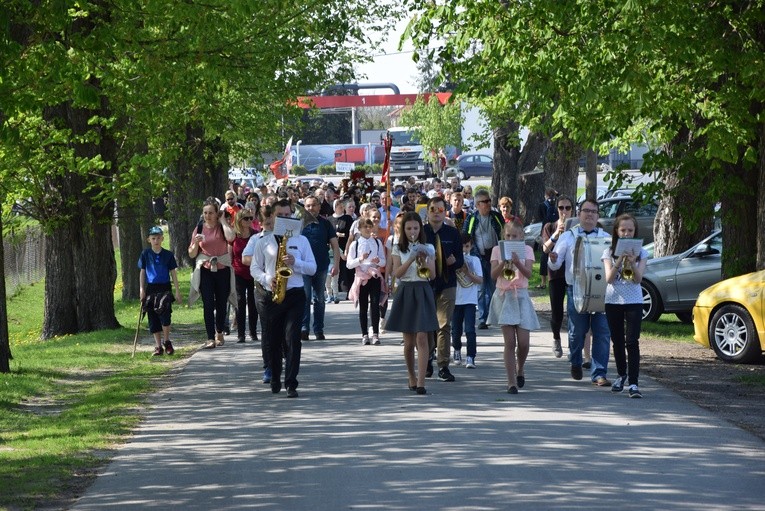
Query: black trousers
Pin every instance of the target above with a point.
(281, 330)
(557, 289)
(214, 287)
(369, 298)
(627, 364)
(246, 310)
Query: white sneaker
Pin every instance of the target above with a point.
(457, 356)
(382, 325)
(375, 339)
(365, 340)
(470, 363)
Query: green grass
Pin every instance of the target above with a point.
(69, 399)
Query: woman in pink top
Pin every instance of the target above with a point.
(511, 307)
(212, 278)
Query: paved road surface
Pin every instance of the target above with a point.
(357, 438)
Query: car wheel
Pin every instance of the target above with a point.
(652, 307)
(733, 336)
(685, 317)
(461, 175)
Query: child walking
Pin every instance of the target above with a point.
(512, 308)
(414, 307)
(624, 304)
(466, 303)
(367, 255)
(158, 266)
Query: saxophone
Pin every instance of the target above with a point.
(283, 272)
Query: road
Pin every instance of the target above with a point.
(357, 438)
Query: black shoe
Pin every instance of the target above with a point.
(227, 331)
(576, 372)
(303, 336)
(276, 386)
(445, 374)
(483, 326)
(512, 390)
(429, 370)
(320, 337)
(421, 390)
(240, 341)
(521, 381)
(292, 392)
(587, 365)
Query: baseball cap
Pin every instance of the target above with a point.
(155, 230)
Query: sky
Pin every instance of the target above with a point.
(391, 66)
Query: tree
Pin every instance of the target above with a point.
(82, 88)
(609, 73)
(435, 125)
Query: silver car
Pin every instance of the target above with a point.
(672, 283)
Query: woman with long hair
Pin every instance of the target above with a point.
(212, 278)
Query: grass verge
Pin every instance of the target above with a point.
(69, 400)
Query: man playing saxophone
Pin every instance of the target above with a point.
(283, 319)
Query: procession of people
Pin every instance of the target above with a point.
(424, 260)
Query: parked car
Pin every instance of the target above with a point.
(533, 235)
(672, 283)
(645, 214)
(469, 165)
(729, 317)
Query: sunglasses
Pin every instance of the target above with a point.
(587, 210)
(566, 208)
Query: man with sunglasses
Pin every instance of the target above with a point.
(485, 226)
(449, 258)
(580, 323)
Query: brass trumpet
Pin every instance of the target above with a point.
(508, 272)
(627, 271)
(423, 271)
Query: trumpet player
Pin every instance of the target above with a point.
(414, 308)
(624, 305)
(511, 306)
(470, 277)
(283, 320)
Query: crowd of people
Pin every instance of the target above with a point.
(424, 260)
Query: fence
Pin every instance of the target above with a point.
(24, 260)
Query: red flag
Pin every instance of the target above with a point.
(281, 168)
(387, 144)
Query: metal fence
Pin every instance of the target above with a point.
(24, 260)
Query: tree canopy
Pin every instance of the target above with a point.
(686, 77)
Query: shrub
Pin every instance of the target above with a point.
(325, 170)
(298, 170)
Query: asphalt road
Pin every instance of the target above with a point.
(357, 438)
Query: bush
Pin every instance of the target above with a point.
(299, 170)
(482, 187)
(326, 170)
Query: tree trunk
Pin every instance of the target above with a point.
(5, 342)
(515, 173)
(761, 200)
(562, 167)
(590, 176)
(739, 222)
(131, 241)
(80, 264)
(200, 172)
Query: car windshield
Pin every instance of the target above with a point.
(401, 138)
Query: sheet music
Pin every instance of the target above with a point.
(628, 245)
(508, 248)
(282, 225)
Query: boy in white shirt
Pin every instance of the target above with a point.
(466, 303)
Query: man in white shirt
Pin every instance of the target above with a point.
(284, 319)
(580, 323)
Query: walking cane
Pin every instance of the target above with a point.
(138, 329)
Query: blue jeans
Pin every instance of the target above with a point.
(464, 314)
(314, 284)
(485, 292)
(578, 326)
